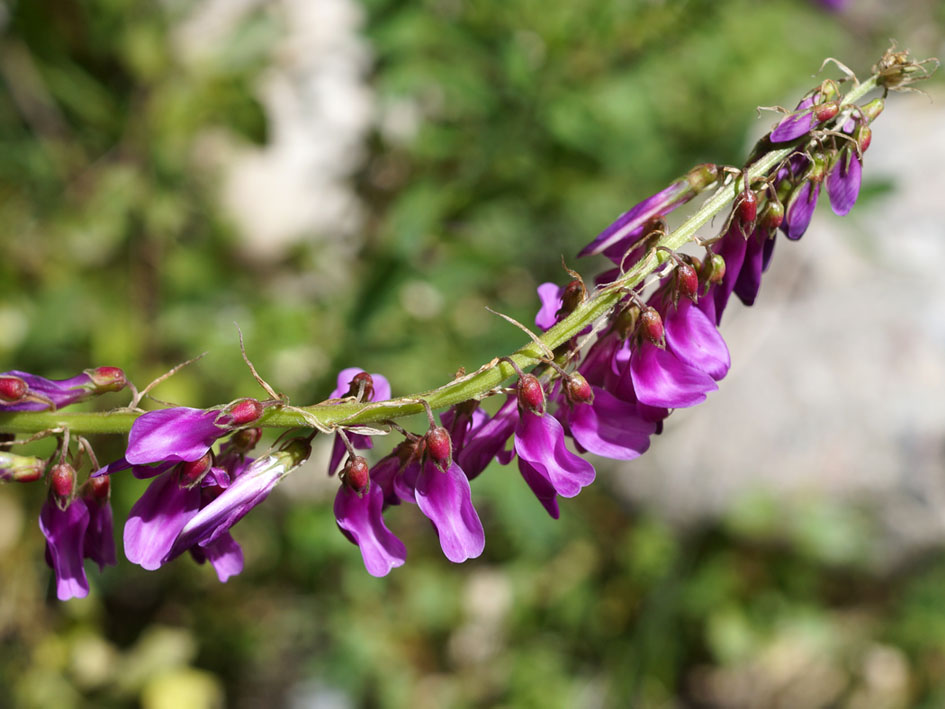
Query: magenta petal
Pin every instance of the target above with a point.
(99, 545)
(361, 519)
(157, 518)
(446, 499)
(226, 556)
(381, 385)
(749, 278)
(337, 453)
(405, 482)
(65, 533)
(610, 427)
(793, 126)
(172, 434)
(541, 486)
(800, 209)
(843, 183)
(488, 440)
(732, 248)
(661, 379)
(695, 340)
(550, 296)
(539, 440)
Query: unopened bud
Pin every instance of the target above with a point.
(98, 488)
(356, 474)
(531, 395)
(578, 390)
(747, 207)
(192, 472)
(62, 480)
(687, 280)
(872, 109)
(574, 294)
(20, 468)
(107, 378)
(826, 111)
(829, 90)
(440, 447)
(772, 216)
(651, 324)
(715, 269)
(12, 389)
(864, 136)
(242, 412)
(362, 382)
(246, 439)
(626, 321)
(702, 176)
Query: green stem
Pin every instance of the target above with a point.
(471, 386)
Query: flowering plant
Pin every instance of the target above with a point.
(613, 362)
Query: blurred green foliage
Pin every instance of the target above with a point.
(538, 122)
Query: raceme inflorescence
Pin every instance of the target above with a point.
(616, 356)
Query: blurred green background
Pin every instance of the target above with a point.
(352, 182)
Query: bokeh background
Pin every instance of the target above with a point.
(353, 181)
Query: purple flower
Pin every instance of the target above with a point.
(65, 529)
(795, 124)
(184, 434)
(360, 518)
(843, 182)
(354, 381)
(21, 391)
(99, 543)
(550, 296)
(800, 209)
(629, 226)
(695, 340)
(539, 442)
(446, 499)
(610, 427)
(487, 441)
(661, 379)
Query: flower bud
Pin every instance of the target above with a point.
(577, 390)
(246, 439)
(107, 379)
(872, 109)
(626, 321)
(241, 412)
(440, 447)
(863, 136)
(12, 389)
(829, 90)
(531, 395)
(702, 176)
(98, 488)
(62, 481)
(574, 294)
(20, 468)
(715, 269)
(772, 216)
(747, 207)
(356, 474)
(826, 111)
(651, 325)
(192, 472)
(362, 382)
(687, 281)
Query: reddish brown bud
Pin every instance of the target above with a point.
(242, 412)
(12, 389)
(651, 324)
(107, 378)
(687, 280)
(864, 136)
(440, 447)
(531, 395)
(772, 216)
(747, 207)
(62, 480)
(356, 474)
(192, 472)
(98, 488)
(578, 390)
(246, 438)
(826, 111)
(365, 380)
(574, 294)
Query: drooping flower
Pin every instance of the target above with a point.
(358, 508)
(445, 497)
(63, 521)
(99, 544)
(843, 181)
